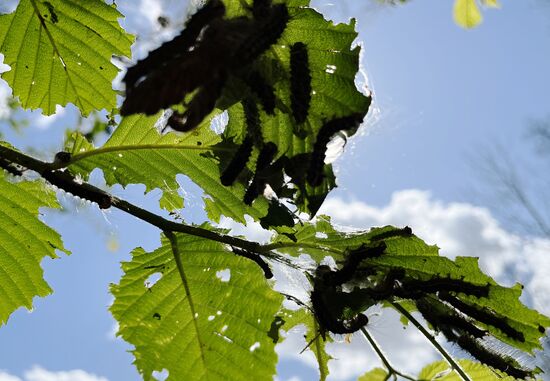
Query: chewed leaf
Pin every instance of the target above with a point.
(137, 153)
(60, 52)
(24, 242)
(388, 265)
(198, 324)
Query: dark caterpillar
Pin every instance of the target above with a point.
(446, 320)
(483, 315)
(405, 232)
(263, 90)
(258, 183)
(252, 118)
(265, 31)
(415, 288)
(300, 82)
(238, 163)
(323, 311)
(176, 47)
(500, 361)
(200, 106)
(353, 259)
(328, 130)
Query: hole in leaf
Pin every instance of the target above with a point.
(160, 376)
(211, 317)
(254, 346)
(224, 337)
(321, 235)
(152, 279)
(224, 275)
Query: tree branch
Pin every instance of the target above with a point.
(65, 181)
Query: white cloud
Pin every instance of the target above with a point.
(38, 373)
(5, 93)
(8, 377)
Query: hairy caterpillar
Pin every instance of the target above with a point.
(265, 31)
(252, 118)
(237, 164)
(328, 318)
(200, 106)
(405, 232)
(176, 47)
(415, 288)
(353, 259)
(483, 315)
(328, 130)
(263, 90)
(500, 361)
(257, 185)
(300, 82)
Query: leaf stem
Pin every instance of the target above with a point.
(177, 257)
(432, 340)
(378, 350)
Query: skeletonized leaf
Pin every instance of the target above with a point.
(212, 325)
(24, 242)
(60, 52)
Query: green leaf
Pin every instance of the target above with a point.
(24, 242)
(440, 371)
(466, 13)
(137, 154)
(377, 374)
(208, 328)
(333, 65)
(316, 343)
(60, 52)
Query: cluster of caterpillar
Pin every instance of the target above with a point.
(437, 299)
(461, 330)
(200, 59)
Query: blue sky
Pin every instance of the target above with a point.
(443, 96)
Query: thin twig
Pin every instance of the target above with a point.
(378, 350)
(432, 340)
